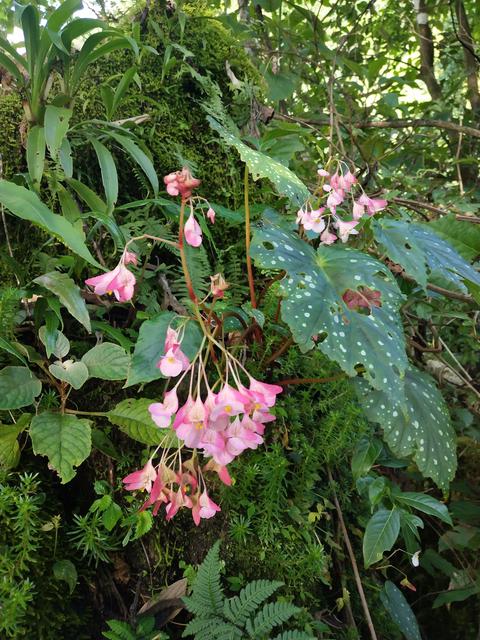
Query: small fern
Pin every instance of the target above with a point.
(144, 630)
(219, 618)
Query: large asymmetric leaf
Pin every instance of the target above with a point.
(64, 439)
(27, 205)
(73, 373)
(68, 293)
(18, 387)
(107, 361)
(397, 606)
(422, 253)
(312, 289)
(263, 166)
(134, 419)
(150, 346)
(420, 427)
(380, 534)
(464, 236)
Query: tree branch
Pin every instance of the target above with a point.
(464, 36)
(427, 51)
(392, 124)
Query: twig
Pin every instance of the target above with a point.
(473, 219)
(445, 292)
(353, 561)
(284, 383)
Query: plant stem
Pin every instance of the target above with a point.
(183, 257)
(281, 349)
(74, 412)
(348, 544)
(251, 283)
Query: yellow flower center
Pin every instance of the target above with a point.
(228, 408)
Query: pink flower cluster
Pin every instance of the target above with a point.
(183, 183)
(220, 424)
(120, 281)
(183, 487)
(325, 220)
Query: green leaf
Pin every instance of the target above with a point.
(464, 236)
(426, 504)
(108, 171)
(456, 595)
(65, 157)
(57, 120)
(107, 361)
(376, 490)
(380, 534)
(75, 373)
(68, 293)
(421, 253)
(27, 205)
(18, 387)
(9, 447)
(65, 570)
(271, 615)
(366, 452)
(12, 349)
(262, 166)
(133, 418)
(420, 428)
(36, 154)
(140, 158)
(87, 195)
(61, 344)
(400, 611)
(150, 346)
(64, 439)
(312, 289)
(111, 516)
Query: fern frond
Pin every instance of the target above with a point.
(270, 616)
(207, 594)
(200, 271)
(293, 635)
(118, 631)
(225, 631)
(201, 625)
(239, 608)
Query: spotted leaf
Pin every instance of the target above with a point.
(422, 253)
(263, 166)
(312, 289)
(420, 428)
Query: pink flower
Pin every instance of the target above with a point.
(358, 210)
(157, 496)
(211, 215)
(218, 285)
(130, 257)
(268, 392)
(220, 470)
(302, 215)
(334, 199)
(120, 282)
(193, 233)
(323, 173)
(177, 499)
(372, 204)
(229, 402)
(204, 507)
(141, 479)
(327, 237)
(346, 181)
(162, 412)
(346, 229)
(314, 221)
(190, 422)
(171, 365)
(181, 182)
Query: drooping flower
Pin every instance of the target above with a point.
(181, 183)
(193, 232)
(203, 507)
(162, 412)
(372, 205)
(314, 221)
(141, 479)
(268, 392)
(346, 228)
(174, 361)
(218, 285)
(220, 470)
(120, 282)
(229, 402)
(130, 257)
(327, 237)
(416, 558)
(211, 215)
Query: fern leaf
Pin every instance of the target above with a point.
(293, 635)
(270, 616)
(200, 625)
(207, 594)
(118, 631)
(239, 608)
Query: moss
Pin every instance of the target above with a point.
(11, 152)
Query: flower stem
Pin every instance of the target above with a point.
(183, 256)
(74, 412)
(251, 283)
